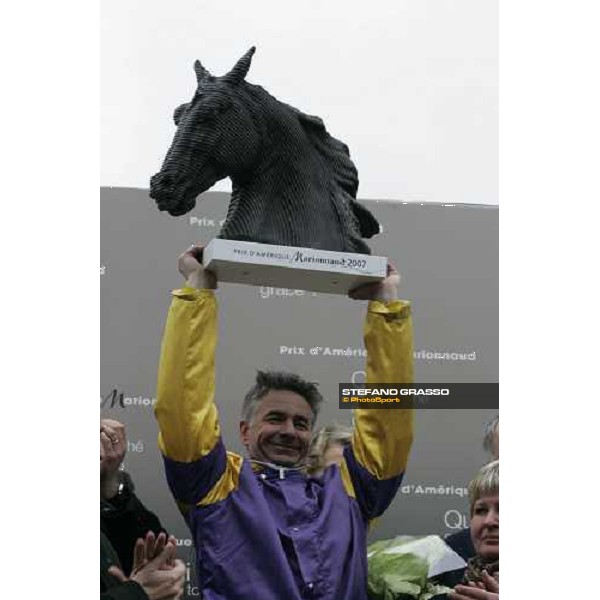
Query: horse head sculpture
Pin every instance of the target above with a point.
(292, 183)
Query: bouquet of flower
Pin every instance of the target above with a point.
(400, 568)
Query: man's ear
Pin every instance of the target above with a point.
(245, 432)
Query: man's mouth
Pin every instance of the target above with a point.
(285, 447)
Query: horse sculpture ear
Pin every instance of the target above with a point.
(237, 74)
(201, 72)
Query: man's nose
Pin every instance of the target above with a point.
(287, 427)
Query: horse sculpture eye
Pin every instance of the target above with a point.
(178, 113)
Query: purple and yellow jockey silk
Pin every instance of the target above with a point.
(259, 536)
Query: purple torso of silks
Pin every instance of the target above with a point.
(282, 535)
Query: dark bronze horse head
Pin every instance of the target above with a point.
(293, 184)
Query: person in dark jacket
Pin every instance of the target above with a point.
(137, 559)
(479, 580)
(461, 542)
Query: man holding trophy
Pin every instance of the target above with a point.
(262, 527)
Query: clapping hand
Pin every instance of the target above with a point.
(113, 446)
(488, 589)
(148, 548)
(161, 577)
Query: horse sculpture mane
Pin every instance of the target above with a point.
(293, 183)
(333, 151)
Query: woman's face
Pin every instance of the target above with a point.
(485, 527)
(334, 454)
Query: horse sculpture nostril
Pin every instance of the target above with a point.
(162, 180)
(163, 186)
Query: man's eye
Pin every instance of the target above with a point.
(302, 425)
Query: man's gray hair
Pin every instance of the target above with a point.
(490, 431)
(280, 380)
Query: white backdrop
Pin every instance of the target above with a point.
(410, 85)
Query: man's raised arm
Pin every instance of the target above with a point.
(189, 437)
(383, 437)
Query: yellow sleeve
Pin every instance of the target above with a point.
(185, 408)
(383, 437)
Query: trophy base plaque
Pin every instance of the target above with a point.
(290, 267)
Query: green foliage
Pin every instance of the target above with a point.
(398, 568)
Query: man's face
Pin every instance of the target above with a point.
(280, 429)
(485, 527)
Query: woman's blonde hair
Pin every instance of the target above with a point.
(487, 481)
(322, 439)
